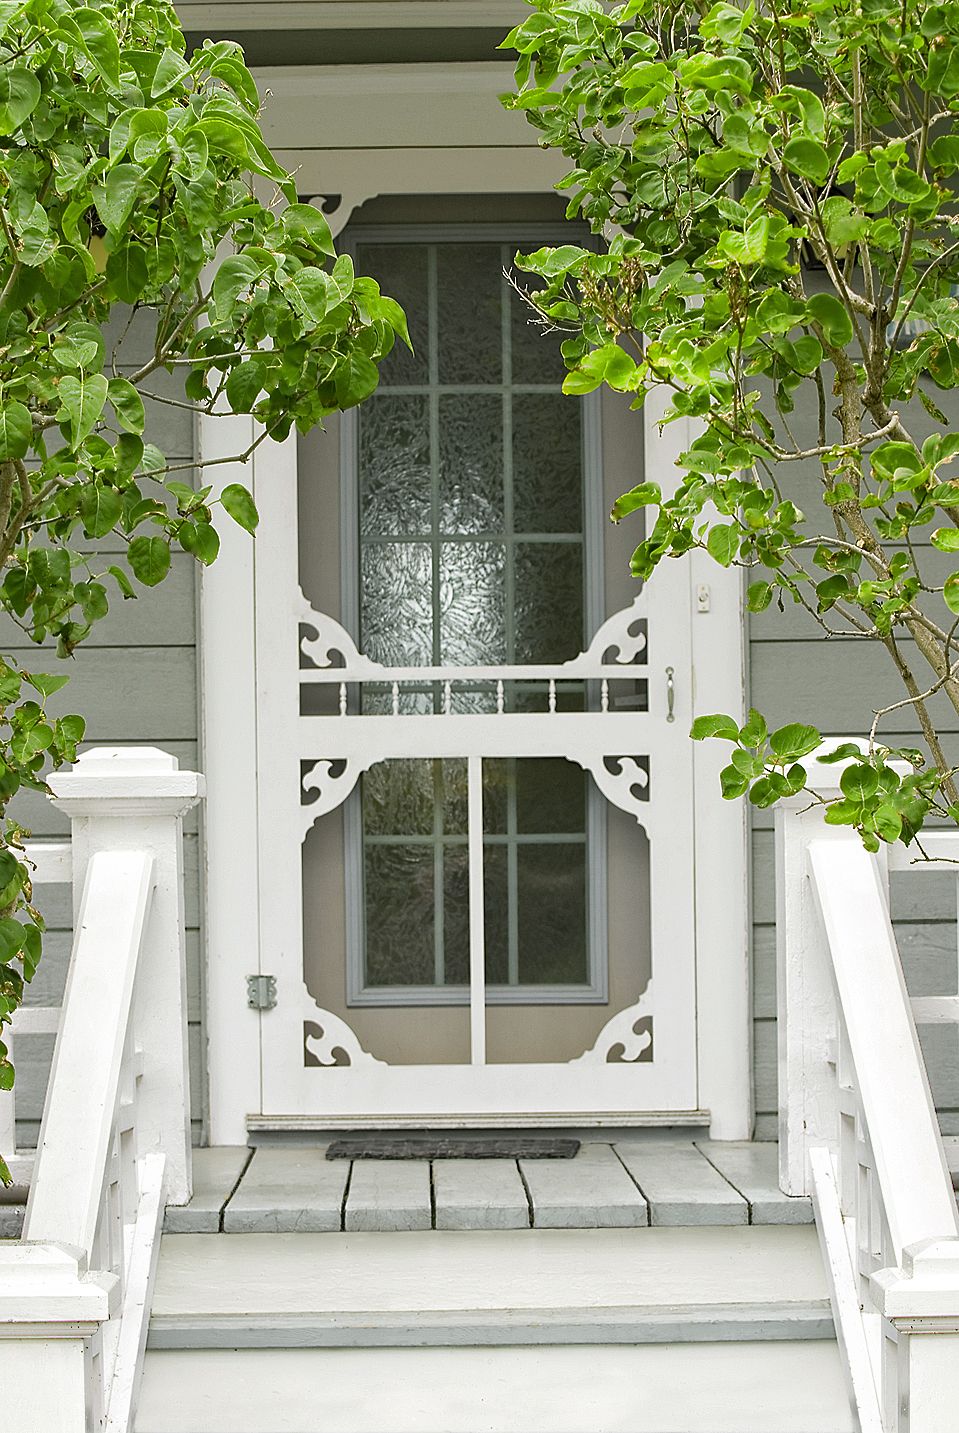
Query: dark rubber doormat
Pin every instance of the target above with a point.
(451, 1146)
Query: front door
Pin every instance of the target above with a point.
(476, 856)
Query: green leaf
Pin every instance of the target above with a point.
(831, 315)
(11, 938)
(234, 277)
(100, 42)
(200, 538)
(304, 224)
(127, 272)
(19, 97)
(718, 725)
(950, 593)
(356, 379)
(170, 69)
(946, 539)
(859, 781)
(643, 495)
(245, 384)
(100, 509)
(791, 743)
(240, 505)
(118, 194)
(127, 404)
(722, 544)
(755, 731)
(9, 868)
(808, 158)
(732, 783)
(122, 581)
(609, 364)
(309, 292)
(149, 557)
(16, 431)
(45, 683)
(83, 397)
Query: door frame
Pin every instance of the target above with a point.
(228, 676)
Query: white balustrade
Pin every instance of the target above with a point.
(114, 1144)
(858, 1126)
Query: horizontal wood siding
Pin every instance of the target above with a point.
(135, 683)
(796, 673)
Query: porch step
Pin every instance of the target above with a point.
(518, 1287)
(670, 1388)
(639, 1330)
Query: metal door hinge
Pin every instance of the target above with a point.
(261, 992)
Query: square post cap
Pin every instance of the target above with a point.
(140, 779)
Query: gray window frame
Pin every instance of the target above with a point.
(596, 989)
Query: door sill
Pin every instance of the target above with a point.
(259, 1125)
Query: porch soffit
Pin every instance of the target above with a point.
(358, 107)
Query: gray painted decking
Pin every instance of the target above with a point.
(290, 1189)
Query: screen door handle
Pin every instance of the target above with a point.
(670, 694)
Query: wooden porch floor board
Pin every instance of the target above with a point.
(388, 1195)
(681, 1187)
(288, 1189)
(753, 1169)
(592, 1191)
(216, 1173)
(479, 1194)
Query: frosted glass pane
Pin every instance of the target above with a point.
(471, 463)
(398, 798)
(550, 796)
(395, 480)
(469, 287)
(548, 611)
(547, 463)
(399, 915)
(472, 603)
(452, 775)
(401, 271)
(536, 352)
(552, 914)
(396, 616)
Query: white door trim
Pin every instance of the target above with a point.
(494, 161)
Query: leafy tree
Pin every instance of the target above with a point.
(130, 177)
(775, 188)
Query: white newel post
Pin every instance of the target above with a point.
(806, 1001)
(134, 798)
(920, 1306)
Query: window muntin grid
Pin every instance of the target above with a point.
(488, 530)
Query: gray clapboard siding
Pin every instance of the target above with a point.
(135, 683)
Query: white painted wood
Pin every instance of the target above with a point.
(806, 1013)
(479, 1194)
(44, 1385)
(591, 1191)
(237, 16)
(409, 1274)
(844, 1293)
(717, 638)
(388, 1194)
(476, 910)
(680, 1185)
(890, 1075)
(37, 1020)
(133, 799)
(141, 1269)
(692, 1388)
(229, 759)
(288, 1189)
(52, 861)
(216, 1173)
(78, 1121)
(50, 1309)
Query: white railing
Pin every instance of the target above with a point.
(858, 1126)
(114, 1144)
